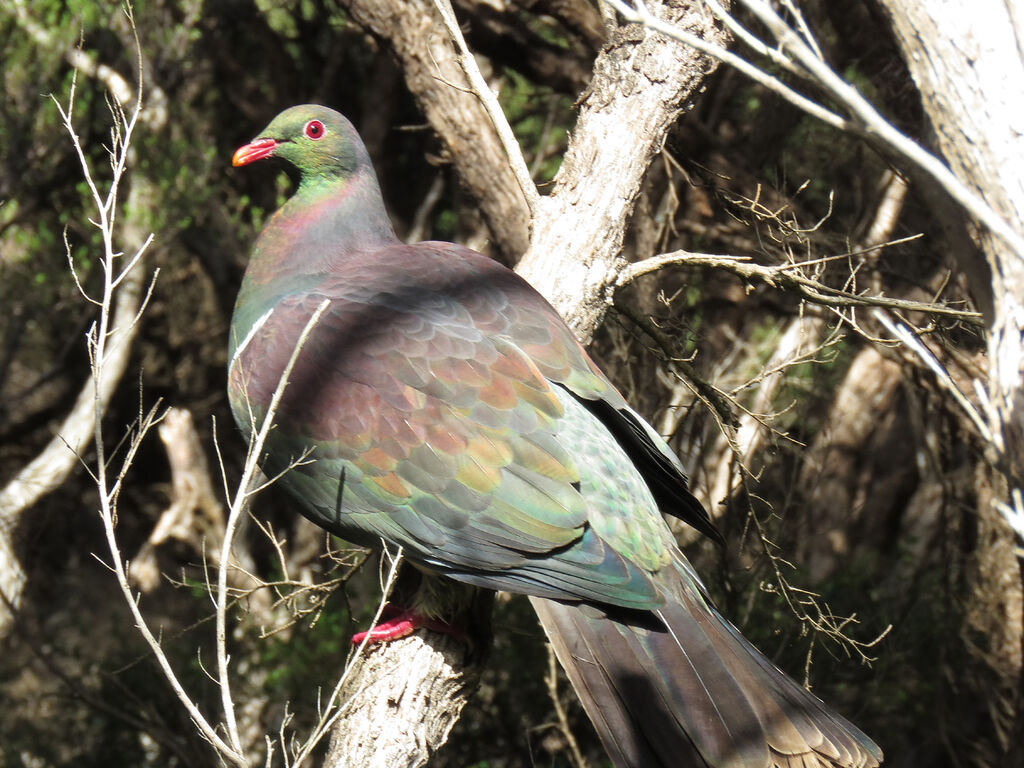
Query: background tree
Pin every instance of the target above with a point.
(812, 437)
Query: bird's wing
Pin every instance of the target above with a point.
(443, 408)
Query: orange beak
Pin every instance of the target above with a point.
(253, 151)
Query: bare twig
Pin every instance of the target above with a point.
(1013, 513)
(54, 463)
(807, 606)
(792, 51)
(418, 228)
(101, 341)
(788, 276)
(551, 681)
(905, 335)
(238, 506)
(490, 102)
(194, 514)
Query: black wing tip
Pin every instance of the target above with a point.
(699, 519)
(666, 480)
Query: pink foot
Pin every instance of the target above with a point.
(401, 623)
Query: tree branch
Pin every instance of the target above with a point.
(789, 277)
(489, 100)
(414, 31)
(642, 82)
(792, 52)
(62, 454)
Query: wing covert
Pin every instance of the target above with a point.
(440, 407)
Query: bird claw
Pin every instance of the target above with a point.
(402, 622)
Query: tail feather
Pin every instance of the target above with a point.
(689, 690)
(617, 704)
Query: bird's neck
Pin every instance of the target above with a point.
(313, 234)
(320, 225)
(317, 229)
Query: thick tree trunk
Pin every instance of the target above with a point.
(967, 62)
(969, 68)
(642, 82)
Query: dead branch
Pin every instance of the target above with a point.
(790, 277)
(562, 722)
(489, 99)
(797, 53)
(101, 353)
(63, 453)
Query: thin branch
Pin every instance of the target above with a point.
(99, 340)
(1013, 513)
(490, 103)
(871, 123)
(803, 603)
(783, 276)
(551, 682)
(905, 335)
(865, 120)
(238, 506)
(752, 40)
(53, 464)
(420, 218)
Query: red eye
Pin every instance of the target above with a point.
(315, 129)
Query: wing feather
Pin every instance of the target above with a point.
(441, 383)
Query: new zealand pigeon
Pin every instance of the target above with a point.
(441, 405)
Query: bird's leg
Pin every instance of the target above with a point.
(400, 622)
(434, 600)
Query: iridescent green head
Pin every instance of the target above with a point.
(318, 142)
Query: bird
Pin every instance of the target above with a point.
(440, 405)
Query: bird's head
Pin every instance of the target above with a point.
(316, 141)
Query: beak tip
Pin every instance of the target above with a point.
(253, 151)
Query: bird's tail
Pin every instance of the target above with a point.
(681, 687)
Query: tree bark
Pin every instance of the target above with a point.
(968, 65)
(402, 700)
(969, 69)
(642, 83)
